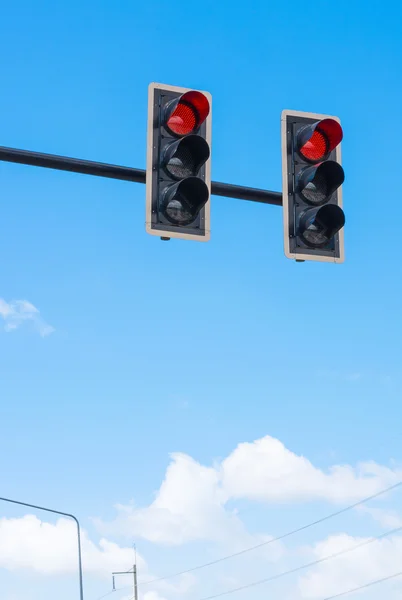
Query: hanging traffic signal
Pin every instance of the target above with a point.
(178, 179)
(312, 194)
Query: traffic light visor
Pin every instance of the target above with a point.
(318, 226)
(319, 139)
(317, 184)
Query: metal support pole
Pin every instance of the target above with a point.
(58, 512)
(88, 167)
(130, 572)
(135, 583)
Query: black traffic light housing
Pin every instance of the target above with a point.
(178, 180)
(312, 177)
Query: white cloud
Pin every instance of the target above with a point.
(18, 312)
(387, 518)
(266, 470)
(368, 563)
(152, 596)
(191, 502)
(29, 543)
(189, 506)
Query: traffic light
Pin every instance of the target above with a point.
(312, 194)
(178, 179)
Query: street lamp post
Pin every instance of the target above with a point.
(58, 512)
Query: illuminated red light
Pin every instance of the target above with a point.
(326, 136)
(183, 120)
(190, 112)
(316, 147)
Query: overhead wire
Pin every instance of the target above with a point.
(305, 566)
(276, 539)
(366, 585)
(358, 588)
(112, 591)
(314, 563)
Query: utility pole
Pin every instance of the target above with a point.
(132, 572)
(135, 583)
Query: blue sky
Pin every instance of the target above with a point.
(185, 347)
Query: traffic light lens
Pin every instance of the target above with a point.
(183, 201)
(316, 191)
(181, 164)
(316, 147)
(185, 157)
(315, 238)
(316, 141)
(177, 213)
(183, 120)
(318, 226)
(186, 114)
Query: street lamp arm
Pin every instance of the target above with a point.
(64, 514)
(58, 512)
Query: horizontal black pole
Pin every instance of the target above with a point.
(89, 167)
(246, 193)
(75, 165)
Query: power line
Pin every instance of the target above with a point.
(366, 585)
(289, 572)
(316, 562)
(305, 566)
(101, 598)
(280, 537)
